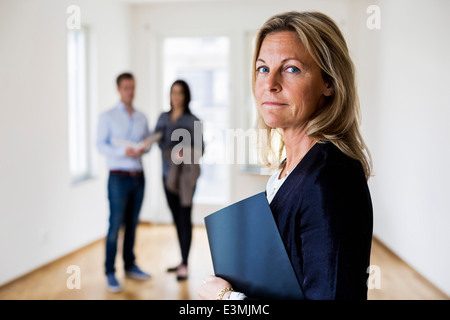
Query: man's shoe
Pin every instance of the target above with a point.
(136, 273)
(113, 284)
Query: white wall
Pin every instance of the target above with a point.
(42, 215)
(404, 72)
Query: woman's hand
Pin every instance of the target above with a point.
(212, 286)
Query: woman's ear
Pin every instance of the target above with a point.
(328, 90)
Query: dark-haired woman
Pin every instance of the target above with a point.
(181, 167)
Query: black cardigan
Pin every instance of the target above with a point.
(324, 214)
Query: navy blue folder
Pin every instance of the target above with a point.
(247, 250)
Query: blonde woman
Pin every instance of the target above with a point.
(304, 87)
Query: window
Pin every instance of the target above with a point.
(78, 108)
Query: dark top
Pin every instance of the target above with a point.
(324, 214)
(188, 123)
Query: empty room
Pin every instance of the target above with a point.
(136, 133)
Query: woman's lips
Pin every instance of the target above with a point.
(274, 104)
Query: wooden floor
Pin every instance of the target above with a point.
(157, 249)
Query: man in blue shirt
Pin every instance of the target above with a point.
(122, 133)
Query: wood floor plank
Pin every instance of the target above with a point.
(156, 250)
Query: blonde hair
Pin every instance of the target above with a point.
(338, 121)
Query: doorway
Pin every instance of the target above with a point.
(203, 62)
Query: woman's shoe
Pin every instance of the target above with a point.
(173, 269)
(182, 272)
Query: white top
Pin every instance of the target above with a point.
(274, 184)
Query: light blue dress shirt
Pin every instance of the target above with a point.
(114, 125)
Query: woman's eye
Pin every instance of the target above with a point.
(293, 69)
(263, 69)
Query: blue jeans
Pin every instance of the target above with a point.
(125, 194)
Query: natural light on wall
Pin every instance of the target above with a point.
(78, 113)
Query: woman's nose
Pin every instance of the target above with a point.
(273, 82)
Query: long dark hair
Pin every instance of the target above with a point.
(187, 95)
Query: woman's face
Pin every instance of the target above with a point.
(289, 85)
(177, 96)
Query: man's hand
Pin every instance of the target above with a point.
(131, 152)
